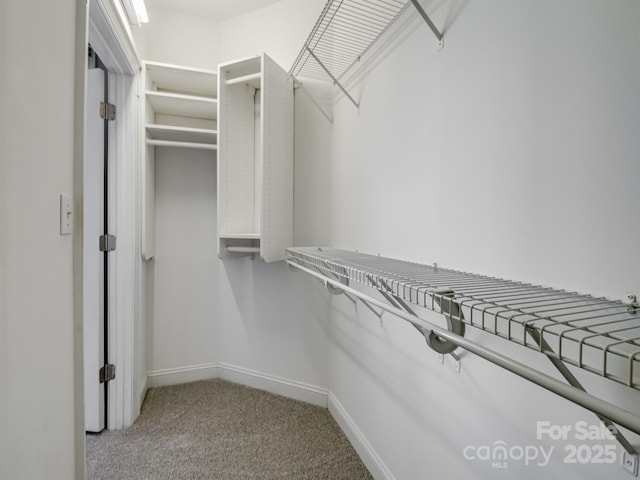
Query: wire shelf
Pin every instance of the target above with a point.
(345, 30)
(599, 335)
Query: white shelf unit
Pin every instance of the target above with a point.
(255, 159)
(180, 110)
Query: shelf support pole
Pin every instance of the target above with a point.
(574, 382)
(335, 80)
(426, 18)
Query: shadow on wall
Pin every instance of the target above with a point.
(238, 271)
(313, 185)
(391, 354)
(455, 9)
(276, 324)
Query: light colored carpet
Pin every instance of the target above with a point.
(220, 430)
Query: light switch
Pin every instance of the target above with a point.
(66, 214)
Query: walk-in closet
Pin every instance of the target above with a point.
(388, 239)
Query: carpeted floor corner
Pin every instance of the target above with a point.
(220, 430)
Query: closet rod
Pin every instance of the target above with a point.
(243, 79)
(579, 397)
(235, 249)
(168, 143)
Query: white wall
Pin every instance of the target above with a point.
(183, 330)
(279, 30)
(511, 152)
(181, 39)
(41, 415)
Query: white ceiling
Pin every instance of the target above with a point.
(212, 9)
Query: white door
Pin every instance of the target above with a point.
(93, 261)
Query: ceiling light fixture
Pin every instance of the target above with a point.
(136, 11)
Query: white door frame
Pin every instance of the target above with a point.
(111, 38)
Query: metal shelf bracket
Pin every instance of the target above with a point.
(336, 290)
(449, 309)
(574, 382)
(335, 80)
(428, 21)
(453, 314)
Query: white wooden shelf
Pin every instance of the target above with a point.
(168, 143)
(181, 105)
(181, 134)
(180, 111)
(176, 78)
(241, 68)
(240, 236)
(255, 159)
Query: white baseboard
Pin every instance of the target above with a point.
(278, 385)
(244, 376)
(176, 376)
(367, 454)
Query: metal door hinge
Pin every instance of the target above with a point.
(107, 111)
(107, 373)
(107, 243)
